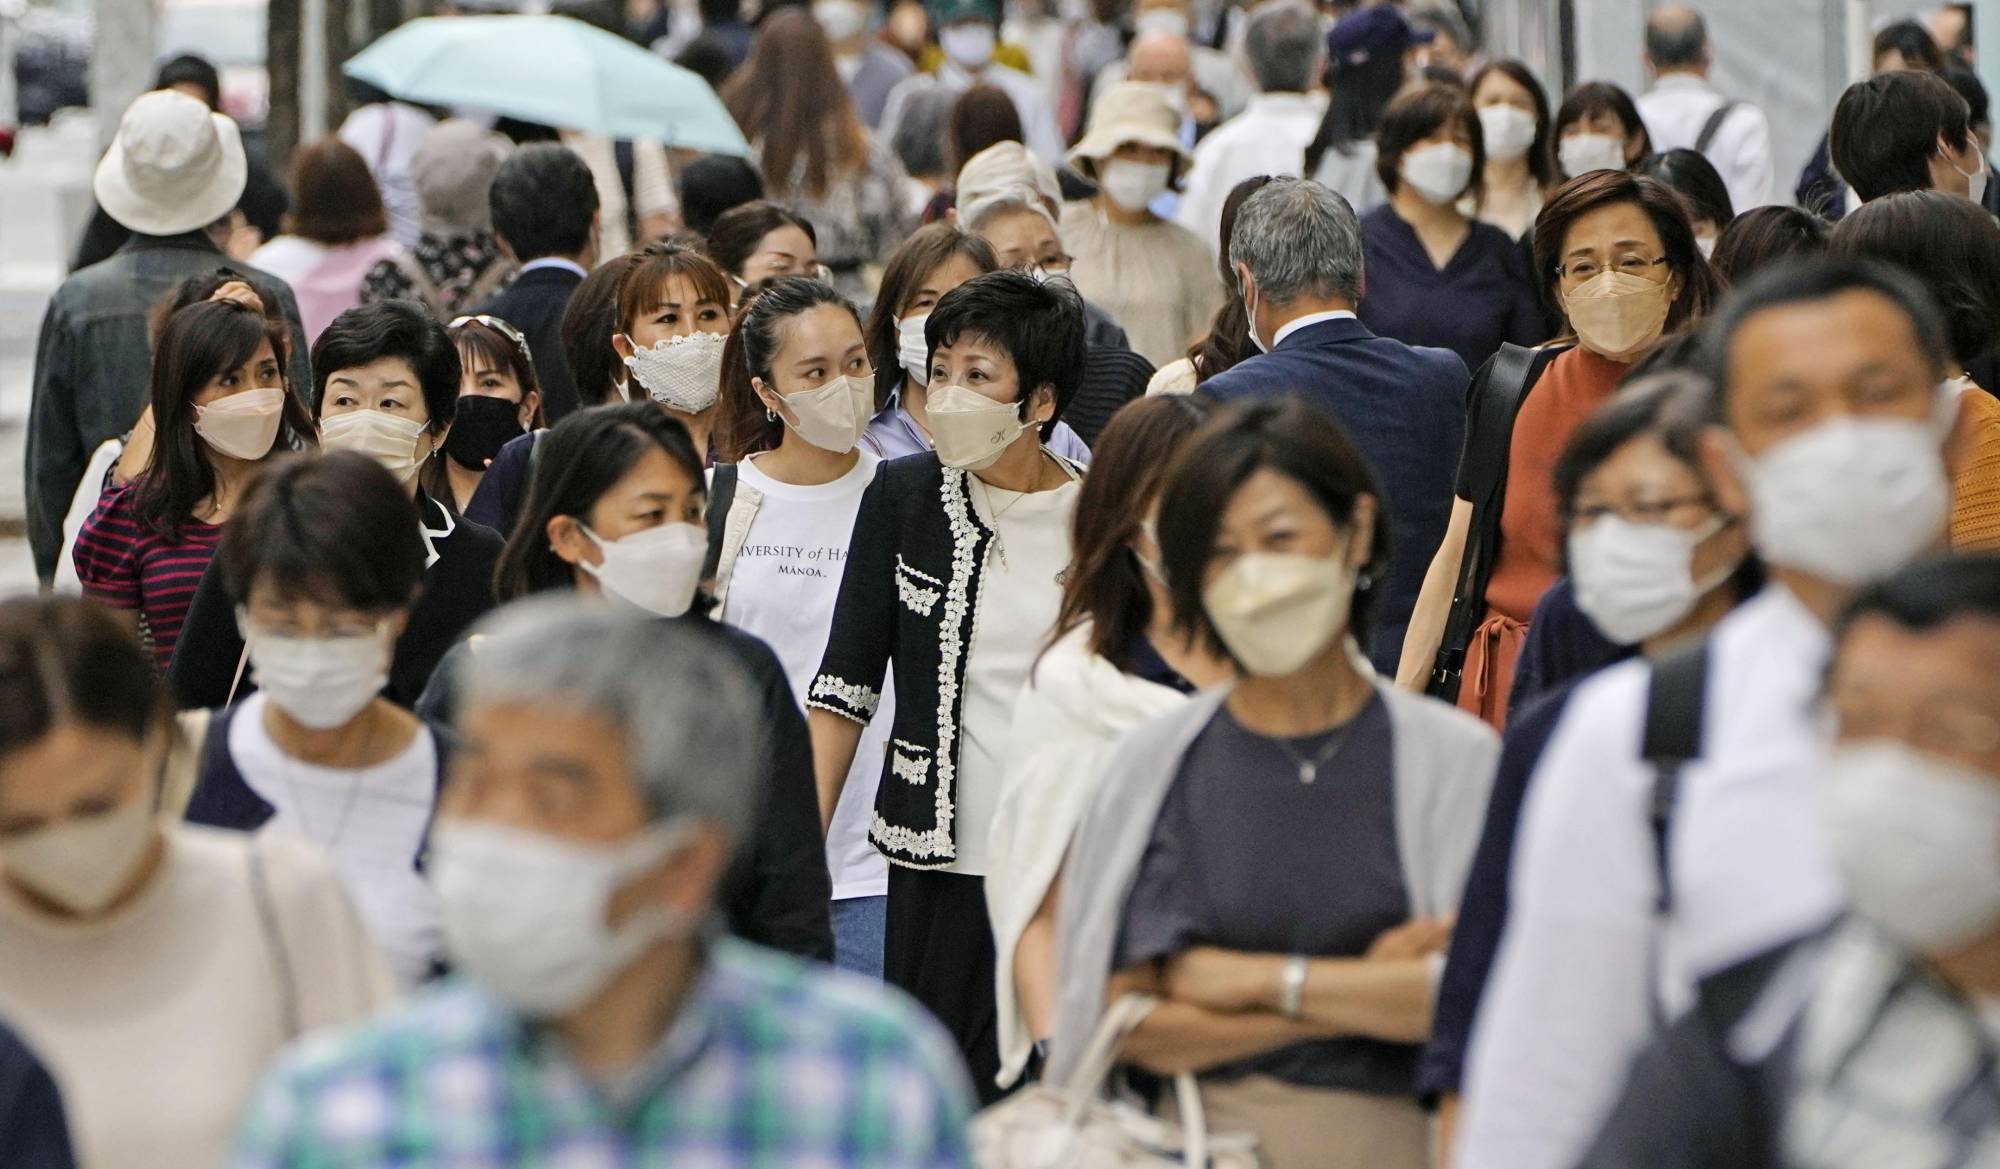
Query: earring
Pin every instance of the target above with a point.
(770, 415)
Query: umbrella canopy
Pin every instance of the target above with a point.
(553, 70)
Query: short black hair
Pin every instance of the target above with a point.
(1886, 130)
(543, 200)
(735, 234)
(391, 328)
(1294, 439)
(1813, 280)
(1039, 325)
(1911, 39)
(1931, 593)
(1951, 244)
(1763, 236)
(191, 69)
(711, 185)
(1697, 180)
(66, 659)
(1967, 85)
(1418, 112)
(334, 528)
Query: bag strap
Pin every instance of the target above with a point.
(1713, 126)
(1673, 737)
(274, 941)
(1101, 1055)
(236, 683)
(721, 496)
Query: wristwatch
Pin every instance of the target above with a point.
(1292, 986)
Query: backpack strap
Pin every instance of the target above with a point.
(1713, 126)
(721, 497)
(1673, 737)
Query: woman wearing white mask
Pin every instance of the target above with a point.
(1278, 860)
(1867, 1042)
(1155, 277)
(932, 262)
(797, 393)
(156, 967)
(220, 405)
(1617, 253)
(323, 563)
(673, 318)
(953, 580)
(1424, 252)
(615, 511)
(1514, 121)
(1598, 128)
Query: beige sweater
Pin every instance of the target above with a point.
(157, 1022)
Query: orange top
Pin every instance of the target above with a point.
(1574, 385)
(1975, 483)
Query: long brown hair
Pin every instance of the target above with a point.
(919, 256)
(1106, 588)
(1228, 340)
(337, 199)
(647, 272)
(789, 98)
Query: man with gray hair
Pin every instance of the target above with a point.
(1681, 110)
(607, 771)
(1296, 251)
(1287, 52)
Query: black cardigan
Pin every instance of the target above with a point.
(907, 600)
(777, 891)
(458, 590)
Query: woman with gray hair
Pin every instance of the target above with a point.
(457, 261)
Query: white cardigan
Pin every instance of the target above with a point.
(1074, 707)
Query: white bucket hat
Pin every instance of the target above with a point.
(1007, 167)
(1134, 113)
(174, 166)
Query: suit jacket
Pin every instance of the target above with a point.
(1405, 408)
(534, 304)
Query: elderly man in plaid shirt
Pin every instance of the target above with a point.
(605, 768)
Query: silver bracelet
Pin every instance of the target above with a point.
(1292, 987)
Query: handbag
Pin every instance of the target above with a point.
(1077, 1127)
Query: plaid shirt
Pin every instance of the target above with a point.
(769, 1063)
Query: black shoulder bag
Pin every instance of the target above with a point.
(1675, 717)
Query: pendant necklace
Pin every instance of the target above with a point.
(1309, 766)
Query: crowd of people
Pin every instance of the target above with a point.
(569, 652)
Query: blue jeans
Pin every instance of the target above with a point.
(858, 924)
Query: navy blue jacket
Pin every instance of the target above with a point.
(534, 304)
(1405, 408)
(33, 1131)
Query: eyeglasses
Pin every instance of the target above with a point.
(1646, 511)
(501, 327)
(338, 628)
(1585, 269)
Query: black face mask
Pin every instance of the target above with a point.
(479, 428)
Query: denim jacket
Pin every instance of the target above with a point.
(93, 361)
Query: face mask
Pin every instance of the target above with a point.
(479, 428)
(681, 372)
(1580, 154)
(1439, 172)
(1171, 21)
(1133, 185)
(1705, 244)
(1637, 580)
(1917, 839)
(396, 443)
(1851, 500)
(82, 864)
(241, 426)
(969, 430)
(1508, 131)
(1278, 611)
(833, 416)
(913, 353)
(321, 682)
(1616, 313)
(1975, 180)
(970, 46)
(524, 912)
(1250, 316)
(841, 20)
(657, 569)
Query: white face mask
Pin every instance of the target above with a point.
(1917, 839)
(657, 569)
(1439, 172)
(524, 912)
(82, 864)
(1851, 500)
(833, 416)
(1508, 130)
(913, 353)
(1171, 21)
(320, 682)
(1250, 314)
(841, 20)
(1580, 154)
(684, 373)
(969, 430)
(1705, 244)
(1133, 185)
(396, 443)
(242, 426)
(1635, 581)
(1276, 611)
(970, 46)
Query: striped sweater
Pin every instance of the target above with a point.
(125, 564)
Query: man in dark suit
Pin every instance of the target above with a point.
(1296, 250)
(544, 204)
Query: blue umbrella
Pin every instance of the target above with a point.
(552, 70)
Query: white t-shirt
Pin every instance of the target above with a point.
(782, 588)
(371, 822)
(1020, 595)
